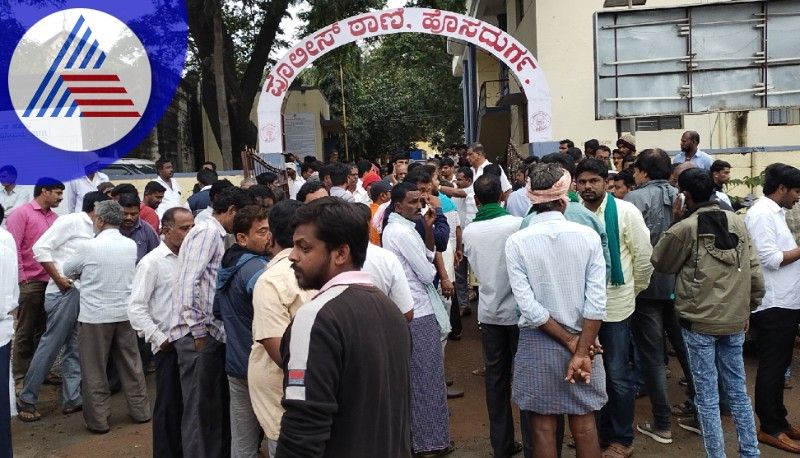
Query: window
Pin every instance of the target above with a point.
(650, 123)
(784, 117)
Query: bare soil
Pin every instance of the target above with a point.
(58, 435)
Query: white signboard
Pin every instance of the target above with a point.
(301, 133)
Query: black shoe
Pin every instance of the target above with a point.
(453, 393)
(448, 382)
(454, 336)
(517, 449)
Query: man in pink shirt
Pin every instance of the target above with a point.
(26, 225)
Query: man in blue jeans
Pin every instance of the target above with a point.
(718, 282)
(630, 250)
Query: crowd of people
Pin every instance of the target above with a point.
(310, 318)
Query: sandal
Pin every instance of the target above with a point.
(27, 412)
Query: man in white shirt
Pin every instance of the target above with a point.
(429, 413)
(172, 196)
(105, 266)
(484, 246)
(9, 296)
(62, 304)
(11, 195)
(149, 313)
(775, 320)
(630, 249)
(361, 194)
(387, 273)
(476, 156)
(79, 187)
(295, 181)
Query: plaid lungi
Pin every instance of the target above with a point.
(539, 386)
(429, 414)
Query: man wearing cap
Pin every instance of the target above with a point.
(627, 145)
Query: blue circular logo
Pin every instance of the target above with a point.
(85, 82)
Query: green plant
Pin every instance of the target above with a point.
(750, 182)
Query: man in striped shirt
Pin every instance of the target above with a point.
(199, 337)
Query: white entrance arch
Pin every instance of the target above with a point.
(420, 20)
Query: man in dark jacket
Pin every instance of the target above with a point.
(202, 199)
(346, 353)
(655, 309)
(718, 282)
(242, 264)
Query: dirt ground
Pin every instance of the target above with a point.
(57, 435)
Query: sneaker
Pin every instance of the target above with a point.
(683, 410)
(617, 450)
(690, 424)
(662, 437)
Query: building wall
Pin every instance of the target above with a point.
(561, 36)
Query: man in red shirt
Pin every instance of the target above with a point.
(153, 195)
(26, 225)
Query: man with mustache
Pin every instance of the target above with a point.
(346, 354)
(429, 414)
(630, 250)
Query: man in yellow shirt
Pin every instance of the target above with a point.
(630, 250)
(276, 298)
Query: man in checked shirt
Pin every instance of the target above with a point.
(199, 337)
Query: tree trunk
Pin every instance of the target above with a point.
(222, 99)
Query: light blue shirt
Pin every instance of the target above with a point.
(701, 159)
(547, 287)
(577, 213)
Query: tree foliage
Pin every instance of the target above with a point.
(398, 89)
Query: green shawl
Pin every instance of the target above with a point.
(490, 211)
(612, 232)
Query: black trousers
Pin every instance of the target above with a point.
(5, 402)
(455, 315)
(499, 348)
(776, 329)
(168, 409)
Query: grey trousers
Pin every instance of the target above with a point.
(96, 342)
(245, 429)
(205, 426)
